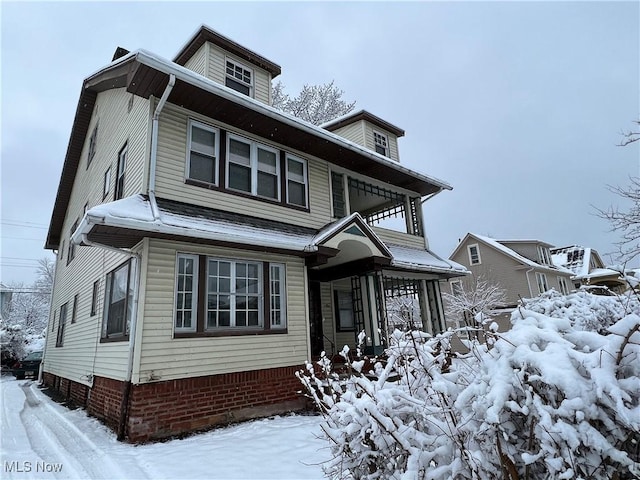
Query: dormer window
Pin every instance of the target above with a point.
(239, 77)
(543, 255)
(381, 144)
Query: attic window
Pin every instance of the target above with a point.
(92, 145)
(239, 77)
(543, 255)
(380, 141)
(474, 254)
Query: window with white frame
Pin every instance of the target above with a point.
(277, 300)
(296, 181)
(253, 168)
(61, 325)
(93, 140)
(543, 255)
(239, 77)
(106, 186)
(118, 302)
(343, 303)
(381, 144)
(120, 171)
(456, 287)
(186, 292)
(202, 155)
(541, 279)
(234, 297)
(474, 254)
(564, 286)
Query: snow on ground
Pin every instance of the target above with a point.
(44, 440)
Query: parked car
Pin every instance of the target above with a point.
(29, 365)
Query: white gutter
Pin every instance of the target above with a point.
(154, 146)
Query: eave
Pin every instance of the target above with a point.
(145, 75)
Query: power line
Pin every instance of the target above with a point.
(12, 224)
(23, 223)
(23, 238)
(21, 258)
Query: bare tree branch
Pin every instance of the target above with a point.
(630, 136)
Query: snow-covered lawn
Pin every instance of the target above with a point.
(42, 439)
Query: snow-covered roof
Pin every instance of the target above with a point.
(497, 244)
(187, 221)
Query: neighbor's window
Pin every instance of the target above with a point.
(118, 301)
(543, 255)
(343, 301)
(61, 325)
(202, 161)
(474, 254)
(380, 141)
(296, 181)
(186, 292)
(456, 287)
(239, 77)
(233, 296)
(253, 168)
(564, 286)
(92, 145)
(106, 186)
(541, 279)
(94, 297)
(122, 165)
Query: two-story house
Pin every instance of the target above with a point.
(588, 268)
(208, 244)
(522, 268)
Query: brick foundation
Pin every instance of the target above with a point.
(162, 409)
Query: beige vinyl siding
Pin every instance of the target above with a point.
(498, 268)
(75, 360)
(163, 357)
(399, 238)
(527, 250)
(392, 140)
(198, 62)
(216, 69)
(354, 132)
(170, 177)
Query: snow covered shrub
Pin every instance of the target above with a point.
(549, 400)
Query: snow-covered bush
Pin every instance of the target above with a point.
(549, 400)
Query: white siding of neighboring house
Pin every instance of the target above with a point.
(170, 175)
(74, 360)
(163, 357)
(217, 66)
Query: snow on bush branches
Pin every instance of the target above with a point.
(556, 397)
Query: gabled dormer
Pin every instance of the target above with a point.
(224, 61)
(535, 250)
(370, 131)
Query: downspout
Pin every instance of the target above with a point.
(529, 281)
(126, 393)
(154, 146)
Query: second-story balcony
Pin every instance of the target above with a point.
(380, 206)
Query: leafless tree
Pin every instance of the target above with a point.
(630, 136)
(473, 305)
(315, 104)
(627, 222)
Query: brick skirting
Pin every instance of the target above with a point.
(163, 409)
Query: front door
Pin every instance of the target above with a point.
(315, 319)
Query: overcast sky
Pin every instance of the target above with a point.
(518, 105)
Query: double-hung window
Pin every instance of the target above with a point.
(118, 301)
(296, 181)
(239, 77)
(474, 254)
(93, 140)
(541, 279)
(71, 254)
(343, 301)
(61, 325)
(564, 286)
(216, 295)
(202, 157)
(253, 168)
(381, 144)
(543, 255)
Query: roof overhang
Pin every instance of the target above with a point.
(145, 74)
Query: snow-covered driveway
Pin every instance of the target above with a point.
(41, 439)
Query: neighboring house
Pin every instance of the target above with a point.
(208, 245)
(6, 294)
(588, 268)
(523, 268)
